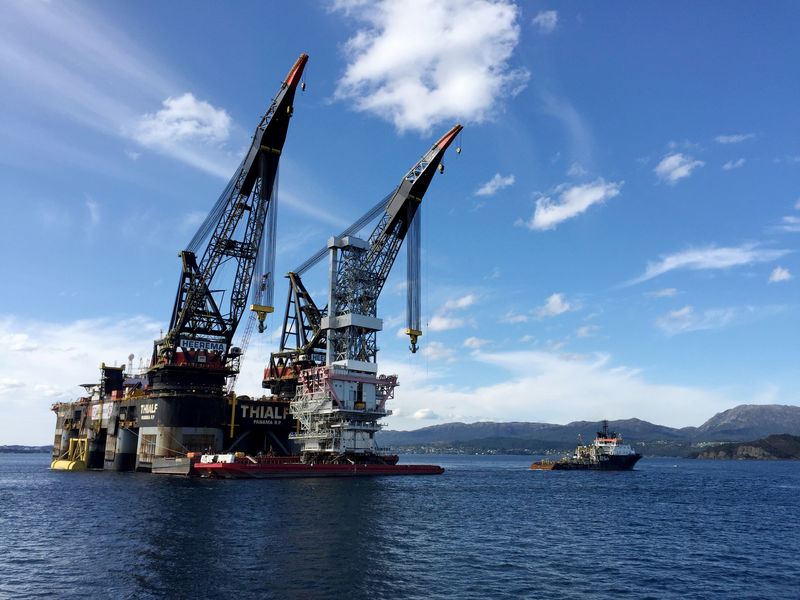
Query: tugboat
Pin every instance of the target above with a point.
(607, 453)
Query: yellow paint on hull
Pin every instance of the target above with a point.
(62, 464)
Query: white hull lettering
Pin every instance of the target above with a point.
(261, 413)
(188, 344)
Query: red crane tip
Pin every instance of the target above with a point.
(448, 137)
(293, 78)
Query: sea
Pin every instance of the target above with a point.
(489, 527)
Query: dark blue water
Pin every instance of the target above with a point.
(487, 528)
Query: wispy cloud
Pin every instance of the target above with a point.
(587, 331)
(576, 170)
(686, 319)
(496, 183)
(779, 274)
(546, 21)
(733, 164)
(675, 167)
(513, 317)
(67, 60)
(577, 129)
(571, 201)
(707, 258)
(790, 223)
(665, 293)
(94, 212)
(735, 138)
(417, 72)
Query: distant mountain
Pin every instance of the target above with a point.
(742, 423)
(632, 429)
(751, 421)
(773, 447)
(25, 449)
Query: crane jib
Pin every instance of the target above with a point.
(240, 218)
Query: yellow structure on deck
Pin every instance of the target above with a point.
(74, 459)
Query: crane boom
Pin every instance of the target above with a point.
(345, 329)
(199, 321)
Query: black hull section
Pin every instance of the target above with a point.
(606, 463)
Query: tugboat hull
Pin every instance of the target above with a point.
(610, 463)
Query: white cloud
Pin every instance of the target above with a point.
(708, 258)
(424, 414)
(67, 355)
(686, 319)
(733, 164)
(422, 62)
(555, 305)
(546, 387)
(442, 323)
(676, 166)
(183, 119)
(438, 351)
(459, 303)
(572, 201)
(734, 139)
(18, 342)
(496, 183)
(474, 343)
(779, 274)
(546, 21)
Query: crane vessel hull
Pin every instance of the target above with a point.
(269, 468)
(120, 425)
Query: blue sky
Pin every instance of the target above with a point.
(618, 237)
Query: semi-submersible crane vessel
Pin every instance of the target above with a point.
(181, 417)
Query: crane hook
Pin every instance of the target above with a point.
(413, 336)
